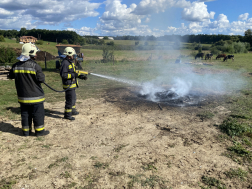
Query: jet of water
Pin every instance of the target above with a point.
(130, 82)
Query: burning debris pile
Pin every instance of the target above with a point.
(171, 98)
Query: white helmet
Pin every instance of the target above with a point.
(29, 49)
(69, 51)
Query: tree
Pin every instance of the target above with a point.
(101, 42)
(108, 54)
(248, 36)
(106, 38)
(22, 32)
(7, 55)
(2, 38)
(64, 41)
(112, 43)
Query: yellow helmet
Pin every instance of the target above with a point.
(29, 49)
(69, 51)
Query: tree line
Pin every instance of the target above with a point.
(73, 38)
(47, 35)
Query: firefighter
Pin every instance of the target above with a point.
(28, 77)
(69, 78)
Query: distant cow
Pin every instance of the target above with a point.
(229, 57)
(221, 55)
(209, 56)
(199, 55)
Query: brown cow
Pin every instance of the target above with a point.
(221, 55)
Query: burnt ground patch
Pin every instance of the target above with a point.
(128, 98)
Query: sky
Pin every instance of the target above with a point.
(129, 17)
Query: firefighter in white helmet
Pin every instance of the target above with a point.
(28, 77)
(69, 79)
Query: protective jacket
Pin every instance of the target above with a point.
(67, 73)
(28, 77)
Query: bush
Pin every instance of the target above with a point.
(221, 43)
(2, 38)
(17, 39)
(7, 55)
(240, 47)
(232, 128)
(136, 43)
(206, 48)
(228, 48)
(112, 43)
(101, 42)
(108, 54)
(106, 37)
(200, 50)
(64, 41)
(39, 42)
(215, 51)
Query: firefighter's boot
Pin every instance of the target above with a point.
(42, 133)
(68, 114)
(74, 112)
(69, 118)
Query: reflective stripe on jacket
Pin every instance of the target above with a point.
(28, 77)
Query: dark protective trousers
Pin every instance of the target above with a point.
(32, 113)
(70, 97)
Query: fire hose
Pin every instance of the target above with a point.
(77, 71)
(56, 90)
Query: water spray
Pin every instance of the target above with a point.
(130, 82)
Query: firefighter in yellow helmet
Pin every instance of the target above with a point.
(28, 77)
(69, 78)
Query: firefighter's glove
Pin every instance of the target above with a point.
(76, 75)
(84, 77)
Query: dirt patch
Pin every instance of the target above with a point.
(117, 141)
(40, 55)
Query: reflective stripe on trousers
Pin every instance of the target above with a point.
(31, 99)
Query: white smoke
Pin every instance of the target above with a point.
(150, 89)
(181, 87)
(184, 79)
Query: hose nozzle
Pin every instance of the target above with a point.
(82, 72)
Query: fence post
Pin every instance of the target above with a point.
(45, 61)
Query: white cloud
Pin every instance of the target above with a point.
(155, 6)
(4, 13)
(243, 16)
(182, 4)
(118, 18)
(84, 31)
(147, 20)
(197, 12)
(45, 12)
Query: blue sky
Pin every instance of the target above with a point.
(129, 17)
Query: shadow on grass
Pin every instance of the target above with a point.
(48, 112)
(53, 114)
(9, 128)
